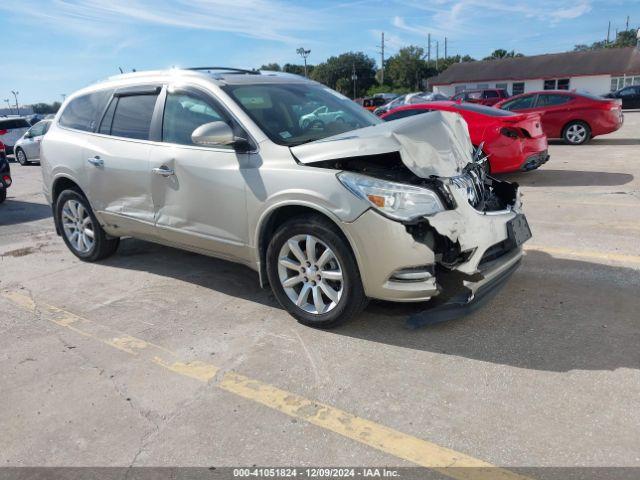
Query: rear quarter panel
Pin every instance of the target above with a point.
(61, 156)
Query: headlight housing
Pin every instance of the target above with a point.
(398, 201)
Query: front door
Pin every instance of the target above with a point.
(198, 192)
(117, 163)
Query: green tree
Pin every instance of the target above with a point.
(297, 69)
(271, 66)
(625, 38)
(502, 53)
(408, 68)
(337, 72)
(44, 108)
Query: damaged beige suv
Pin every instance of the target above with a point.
(327, 203)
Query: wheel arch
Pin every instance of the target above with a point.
(276, 216)
(59, 185)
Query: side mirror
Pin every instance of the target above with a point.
(215, 133)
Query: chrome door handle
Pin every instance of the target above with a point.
(163, 171)
(96, 161)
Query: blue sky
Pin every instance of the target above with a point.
(58, 46)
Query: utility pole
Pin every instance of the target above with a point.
(382, 60)
(64, 96)
(608, 31)
(437, 52)
(445, 48)
(428, 48)
(354, 77)
(627, 22)
(15, 95)
(304, 54)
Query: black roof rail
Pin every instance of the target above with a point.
(226, 69)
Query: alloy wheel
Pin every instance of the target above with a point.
(576, 133)
(21, 157)
(310, 274)
(78, 226)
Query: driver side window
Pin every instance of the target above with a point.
(183, 113)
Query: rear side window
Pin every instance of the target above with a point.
(132, 116)
(404, 114)
(13, 123)
(82, 113)
(519, 103)
(490, 94)
(550, 99)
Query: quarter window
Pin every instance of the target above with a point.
(132, 116)
(183, 113)
(82, 112)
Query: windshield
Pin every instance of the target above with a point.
(295, 113)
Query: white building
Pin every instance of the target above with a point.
(594, 71)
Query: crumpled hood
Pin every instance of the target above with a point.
(435, 143)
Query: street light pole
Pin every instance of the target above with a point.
(354, 77)
(15, 95)
(304, 54)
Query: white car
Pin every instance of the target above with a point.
(27, 149)
(11, 129)
(320, 117)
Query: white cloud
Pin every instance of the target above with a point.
(275, 20)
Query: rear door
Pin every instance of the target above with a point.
(117, 161)
(555, 110)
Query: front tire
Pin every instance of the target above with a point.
(576, 133)
(313, 273)
(80, 228)
(21, 157)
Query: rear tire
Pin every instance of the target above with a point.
(21, 157)
(330, 280)
(80, 228)
(576, 133)
(3, 194)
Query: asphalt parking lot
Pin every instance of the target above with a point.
(161, 357)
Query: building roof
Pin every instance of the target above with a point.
(606, 61)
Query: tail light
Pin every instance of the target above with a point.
(2, 132)
(7, 180)
(511, 132)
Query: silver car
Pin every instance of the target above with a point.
(27, 148)
(216, 161)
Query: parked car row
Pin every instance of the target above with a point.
(514, 130)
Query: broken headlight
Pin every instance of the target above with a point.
(398, 201)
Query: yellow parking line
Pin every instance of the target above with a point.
(568, 252)
(388, 440)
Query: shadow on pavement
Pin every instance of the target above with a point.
(568, 178)
(553, 314)
(615, 141)
(13, 212)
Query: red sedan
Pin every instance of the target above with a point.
(513, 142)
(574, 117)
